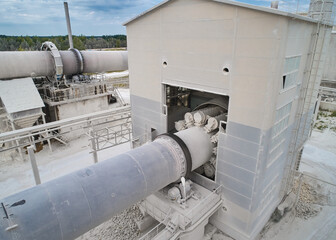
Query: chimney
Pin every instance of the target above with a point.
(275, 4)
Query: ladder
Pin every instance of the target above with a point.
(308, 94)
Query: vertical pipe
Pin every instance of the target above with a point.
(275, 4)
(67, 17)
(32, 160)
(93, 146)
(17, 141)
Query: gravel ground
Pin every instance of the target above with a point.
(306, 206)
(120, 227)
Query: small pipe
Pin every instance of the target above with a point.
(201, 115)
(275, 4)
(213, 122)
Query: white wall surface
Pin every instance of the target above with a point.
(330, 64)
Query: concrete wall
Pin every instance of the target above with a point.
(188, 43)
(330, 64)
(328, 106)
(80, 108)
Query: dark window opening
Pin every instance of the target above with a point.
(283, 81)
(154, 133)
(111, 99)
(222, 127)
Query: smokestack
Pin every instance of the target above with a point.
(275, 4)
(67, 17)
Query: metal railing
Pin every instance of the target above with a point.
(77, 91)
(60, 129)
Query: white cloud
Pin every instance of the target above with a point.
(85, 15)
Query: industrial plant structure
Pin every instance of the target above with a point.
(222, 100)
(266, 65)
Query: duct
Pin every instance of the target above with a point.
(71, 63)
(68, 206)
(26, 64)
(203, 114)
(275, 4)
(67, 17)
(189, 119)
(221, 101)
(41, 63)
(103, 61)
(180, 125)
(199, 145)
(213, 122)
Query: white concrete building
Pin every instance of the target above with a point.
(264, 62)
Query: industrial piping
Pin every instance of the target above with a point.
(42, 63)
(69, 206)
(67, 18)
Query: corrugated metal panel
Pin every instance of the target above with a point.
(20, 95)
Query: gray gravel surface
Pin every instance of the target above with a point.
(120, 227)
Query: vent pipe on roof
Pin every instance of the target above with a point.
(275, 4)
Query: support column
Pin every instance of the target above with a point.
(32, 160)
(17, 141)
(93, 146)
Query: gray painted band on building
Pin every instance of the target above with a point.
(146, 114)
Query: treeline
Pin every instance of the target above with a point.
(31, 43)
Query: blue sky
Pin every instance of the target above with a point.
(88, 17)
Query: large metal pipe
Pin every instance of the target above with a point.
(41, 63)
(69, 206)
(199, 144)
(26, 64)
(67, 18)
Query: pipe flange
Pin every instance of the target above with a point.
(49, 46)
(180, 151)
(79, 59)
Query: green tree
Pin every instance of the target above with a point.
(118, 43)
(77, 42)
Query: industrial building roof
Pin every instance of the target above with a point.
(234, 3)
(20, 95)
